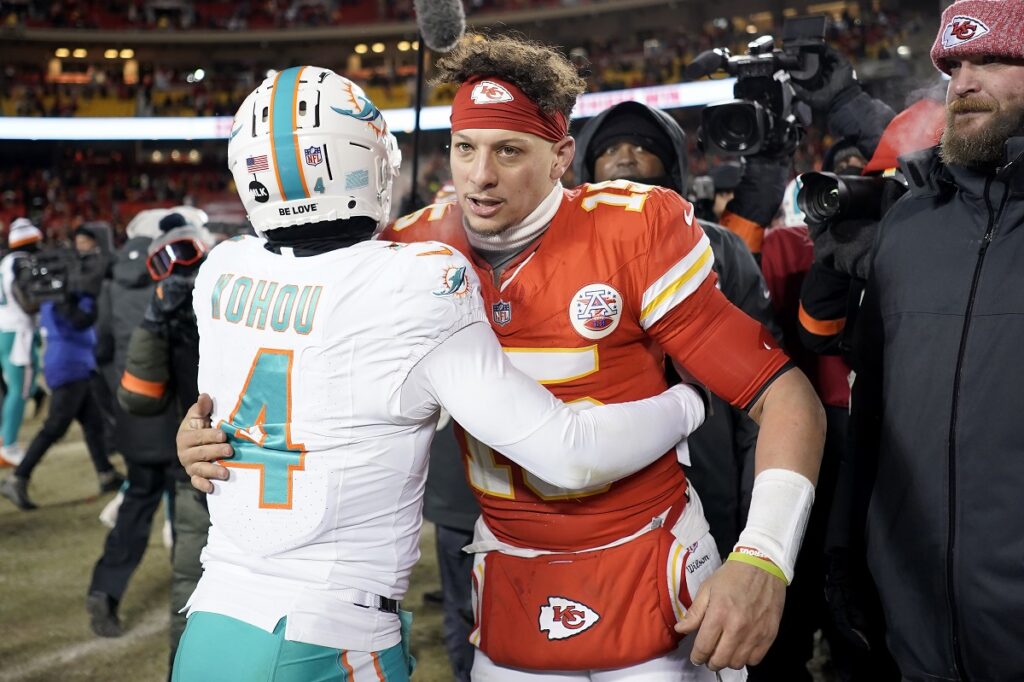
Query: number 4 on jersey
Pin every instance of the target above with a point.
(259, 428)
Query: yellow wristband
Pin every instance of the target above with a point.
(766, 566)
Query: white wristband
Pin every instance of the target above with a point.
(780, 505)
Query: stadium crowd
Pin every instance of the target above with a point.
(610, 62)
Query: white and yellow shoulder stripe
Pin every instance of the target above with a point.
(681, 280)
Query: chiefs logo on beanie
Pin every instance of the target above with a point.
(979, 27)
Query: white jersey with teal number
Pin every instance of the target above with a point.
(304, 358)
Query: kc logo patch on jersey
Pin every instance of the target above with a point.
(562, 618)
(489, 92)
(595, 311)
(961, 30)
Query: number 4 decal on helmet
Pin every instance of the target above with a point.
(319, 186)
(259, 428)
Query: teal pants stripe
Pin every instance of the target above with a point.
(19, 388)
(218, 648)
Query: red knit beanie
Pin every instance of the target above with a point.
(979, 27)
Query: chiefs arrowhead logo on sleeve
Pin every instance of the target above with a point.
(562, 618)
(961, 30)
(489, 92)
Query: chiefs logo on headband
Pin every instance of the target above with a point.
(495, 103)
(489, 92)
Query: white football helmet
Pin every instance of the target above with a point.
(792, 215)
(308, 145)
(146, 222)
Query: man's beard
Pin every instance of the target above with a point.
(983, 149)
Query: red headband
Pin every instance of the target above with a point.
(492, 103)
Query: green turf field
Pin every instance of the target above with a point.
(46, 560)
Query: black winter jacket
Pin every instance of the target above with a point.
(937, 404)
(122, 303)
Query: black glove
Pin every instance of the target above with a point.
(845, 246)
(824, 243)
(854, 240)
(762, 188)
(170, 306)
(172, 294)
(833, 87)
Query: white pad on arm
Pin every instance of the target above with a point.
(780, 505)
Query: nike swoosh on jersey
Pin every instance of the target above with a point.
(688, 215)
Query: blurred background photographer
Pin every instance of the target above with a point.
(68, 365)
(19, 338)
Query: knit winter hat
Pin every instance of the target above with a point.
(23, 232)
(979, 27)
(633, 124)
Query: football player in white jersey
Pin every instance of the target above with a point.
(327, 356)
(19, 353)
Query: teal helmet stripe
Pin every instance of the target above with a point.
(283, 143)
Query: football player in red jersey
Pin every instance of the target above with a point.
(588, 290)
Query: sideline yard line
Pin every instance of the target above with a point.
(153, 622)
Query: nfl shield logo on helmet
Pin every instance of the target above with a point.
(595, 311)
(314, 156)
(501, 313)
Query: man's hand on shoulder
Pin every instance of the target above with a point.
(200, 446)
(735, 616)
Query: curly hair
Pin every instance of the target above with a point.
(540, 71)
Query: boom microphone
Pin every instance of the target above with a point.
(441, 23)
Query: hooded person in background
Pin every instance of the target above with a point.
(19, 338)
(68, 365)
(161, 374)
(632, 141)
(146, 442)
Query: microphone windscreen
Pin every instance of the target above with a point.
(441, 23)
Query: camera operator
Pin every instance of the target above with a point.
(162, 369)
(68, 366)
(938, 369)
(19, 338)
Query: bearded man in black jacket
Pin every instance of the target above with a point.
(939, 371)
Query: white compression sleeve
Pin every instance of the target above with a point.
(470, 376)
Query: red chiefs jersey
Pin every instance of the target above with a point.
(622, 275)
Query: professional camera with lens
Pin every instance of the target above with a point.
(765, 115)
(834, 199)
(45, 275)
